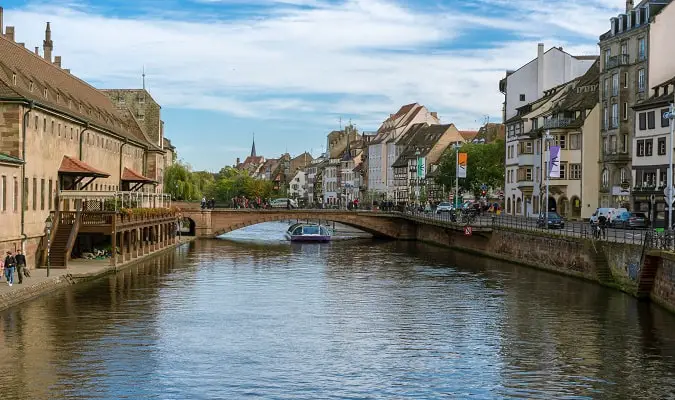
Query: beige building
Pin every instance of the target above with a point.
(59, 133)
(661, 34)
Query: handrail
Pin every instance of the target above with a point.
(73, 235)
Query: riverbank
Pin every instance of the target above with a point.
(80, 270)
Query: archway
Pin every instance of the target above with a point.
(564, 206)
(552, 204)
(576, 207)
(188, 227)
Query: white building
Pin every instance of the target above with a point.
(331, 182)
(523, 87)
(298, 186)
(382, 150)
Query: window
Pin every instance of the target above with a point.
(640, 148)
(624, 48)
(605, 145)
(34, 194)
(625, 110)
(59, 130)
(624, 143)
(42, 194)
(605, 118)
(665, 122)
(30, 86)
(522, 97)
(71, 133)
(49, 194)
(606, 88)
(643, 121)
(4, 193)
(44, 125)
(528, 174)
(642, 49)
(625, 80)
(538, 174)
(662, 146)
(575, 143)
(16, 195)
(615, 85)
(613, 143)
(14, 79)
(575, 171)
(651, 123)
(53, 127)
(649, 147)
(561, 140)
(615, 115)
(608, 54)
(37, 122)
(563, 170)
(45, 93)
(641, 80)
(604, 178)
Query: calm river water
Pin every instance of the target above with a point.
(256, 317)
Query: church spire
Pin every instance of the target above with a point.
(253, 147)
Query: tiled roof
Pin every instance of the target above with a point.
(73, 166)
(6, 158)
(132, 176)
(468, 135)
(65, 92)
(424, 140)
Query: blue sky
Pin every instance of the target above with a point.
(288, 70)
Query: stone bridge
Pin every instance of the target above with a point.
(212, 223)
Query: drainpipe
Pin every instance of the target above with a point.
(23, 177)
(86, 128)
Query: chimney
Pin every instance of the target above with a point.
(540, 70)
(47, 44)
(238, 161)
(9, 33)
(22, 44)
(434, 114)
(629, 6)
(2, 27)
(57, 61)
(37, 51)
(67, 70)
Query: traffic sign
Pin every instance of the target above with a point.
(483, 187)
(468, 231)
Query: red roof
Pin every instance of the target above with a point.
(73, 166)
(131, 176)
(468, 135)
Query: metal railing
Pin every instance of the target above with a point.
(113, 201)
(616, 61)
(557, 123)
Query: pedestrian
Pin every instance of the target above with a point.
(213, 203)
(203, 202)
(21, 270)
(10, 264)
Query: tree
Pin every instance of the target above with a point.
(205, 182)
(179, 182)
(485, 166)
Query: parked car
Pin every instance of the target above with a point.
(444, 207)
(555, 221)
(631, 220)
(606, 212)
(283, 203)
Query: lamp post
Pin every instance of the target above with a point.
(671, 116)
(545, 139)
(456, 146)
(417, 177)
(48, 228)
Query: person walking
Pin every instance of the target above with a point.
(203, 202)
(21, 270)
(10, 264)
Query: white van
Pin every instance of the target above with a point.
(606, 212)
(616, 212)
(283, 203)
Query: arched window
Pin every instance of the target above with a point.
(605, 178)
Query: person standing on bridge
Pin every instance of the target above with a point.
(203, 202)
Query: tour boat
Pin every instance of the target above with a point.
(308, 233)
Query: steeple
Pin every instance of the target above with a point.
(253, 147)
(47, 44)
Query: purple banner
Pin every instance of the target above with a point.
(554, 162)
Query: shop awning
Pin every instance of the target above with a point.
(74, 167)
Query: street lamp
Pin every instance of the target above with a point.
(48, 229)
(545, 139)
(671, 116)
(417, 177)
(456, 146)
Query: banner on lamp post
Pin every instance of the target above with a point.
(554, 162)
(421, 168)
(461, 165)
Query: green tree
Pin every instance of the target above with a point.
(485, 166)
(205, 182)
(179, 182)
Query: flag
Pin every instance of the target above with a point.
(461, 165)
(554, 162)
(421, 167)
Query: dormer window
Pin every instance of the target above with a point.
(30, 86)
(45, 93)
(613, 26)
(122, 100)
(141, 99)
(629, 20)
(58, 98)
(638, 14)
(646, 13)
(14, 79)
(620, 27)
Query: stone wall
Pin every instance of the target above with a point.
(10, 129)
(663, 291)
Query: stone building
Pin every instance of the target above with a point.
(624, 81)
(59, 134)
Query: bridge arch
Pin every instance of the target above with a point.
(213, 223)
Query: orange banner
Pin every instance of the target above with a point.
(461, 165)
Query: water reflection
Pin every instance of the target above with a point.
(358, 319)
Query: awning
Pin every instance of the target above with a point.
(75, 167)
(134, 177)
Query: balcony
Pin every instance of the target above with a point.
(112, 201)
(557, 123)
(617, 61)
(616, 157)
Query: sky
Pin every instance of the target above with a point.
(291, 71)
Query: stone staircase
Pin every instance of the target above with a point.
(603, 270)
(650, 267)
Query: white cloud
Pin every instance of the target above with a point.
(360, 47)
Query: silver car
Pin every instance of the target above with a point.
(444, 207)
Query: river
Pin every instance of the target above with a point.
(253, 316)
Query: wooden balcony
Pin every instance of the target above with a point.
(107, 222)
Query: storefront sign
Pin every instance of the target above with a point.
(620, 191)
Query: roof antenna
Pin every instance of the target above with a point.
(144, 77)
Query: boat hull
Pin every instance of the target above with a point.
(308, 238)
